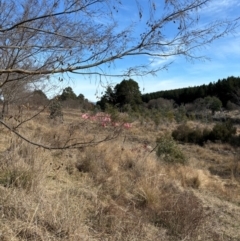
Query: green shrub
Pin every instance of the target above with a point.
(181, 133)
(184, 133)
(206, 133)
(223, 132)
(169, 151)
(55, 109)
(180, 114)
(195, 136)
(235, 141)
(170, 116)
(213, 103)
(113, 112)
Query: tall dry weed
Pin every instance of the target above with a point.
(117, 190)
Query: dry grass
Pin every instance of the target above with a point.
(117, 190)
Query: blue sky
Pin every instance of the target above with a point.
(223, 54)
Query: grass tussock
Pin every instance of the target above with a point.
(117, 190)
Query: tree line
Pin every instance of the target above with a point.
(41, 41)
(38, 98)
(127, 96)
(223, 89)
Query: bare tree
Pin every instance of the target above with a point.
(15, 92)
(47, 38)
(56, 36)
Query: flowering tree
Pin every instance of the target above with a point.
(105, 120)
(43, 39)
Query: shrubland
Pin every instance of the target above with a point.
(224, 132)
(140, 185)
(80, 176)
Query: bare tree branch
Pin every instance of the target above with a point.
(99, 44)
(74, 145)
(42, 40)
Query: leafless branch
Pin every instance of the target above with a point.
(74, 145)
(40, 40)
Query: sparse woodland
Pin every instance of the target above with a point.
(130, 167)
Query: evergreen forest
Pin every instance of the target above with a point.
(224, 90)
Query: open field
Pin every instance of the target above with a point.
(116, 190)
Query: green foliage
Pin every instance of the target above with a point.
(68, 94)
(55, 109)
(108, 98)
(160, 104)
(213, 103)
(127, 92)
(200, 107)
(113, 112)
(184, 133)
(78, 102)
(125, 95)
(181, 133)
(180, 114)
(232, 106)
(169, 151)
(222, 131)
(222, 89)
(156, 118)
(235, 141)
(81, 97)
(170, 116)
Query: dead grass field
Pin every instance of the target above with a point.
(116, 190)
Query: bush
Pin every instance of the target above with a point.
(206, 134)
(55, 109)
(231, 106)
(195, 136)
(213, 103)
(113, 112)
(181, 213)
(235, 141)
(169, 151)
(185, 134)
(180, 114)
(181, 133)
(223, 132)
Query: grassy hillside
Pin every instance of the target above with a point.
(116, 190)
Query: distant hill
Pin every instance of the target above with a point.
(223, 89)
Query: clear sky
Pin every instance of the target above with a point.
(223, 54)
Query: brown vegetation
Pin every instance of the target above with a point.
(117, 190)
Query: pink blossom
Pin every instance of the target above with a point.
(93, 118)
(85, 116)
(105, 120)
(104, 124)
(115, 124)
(127, 125)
